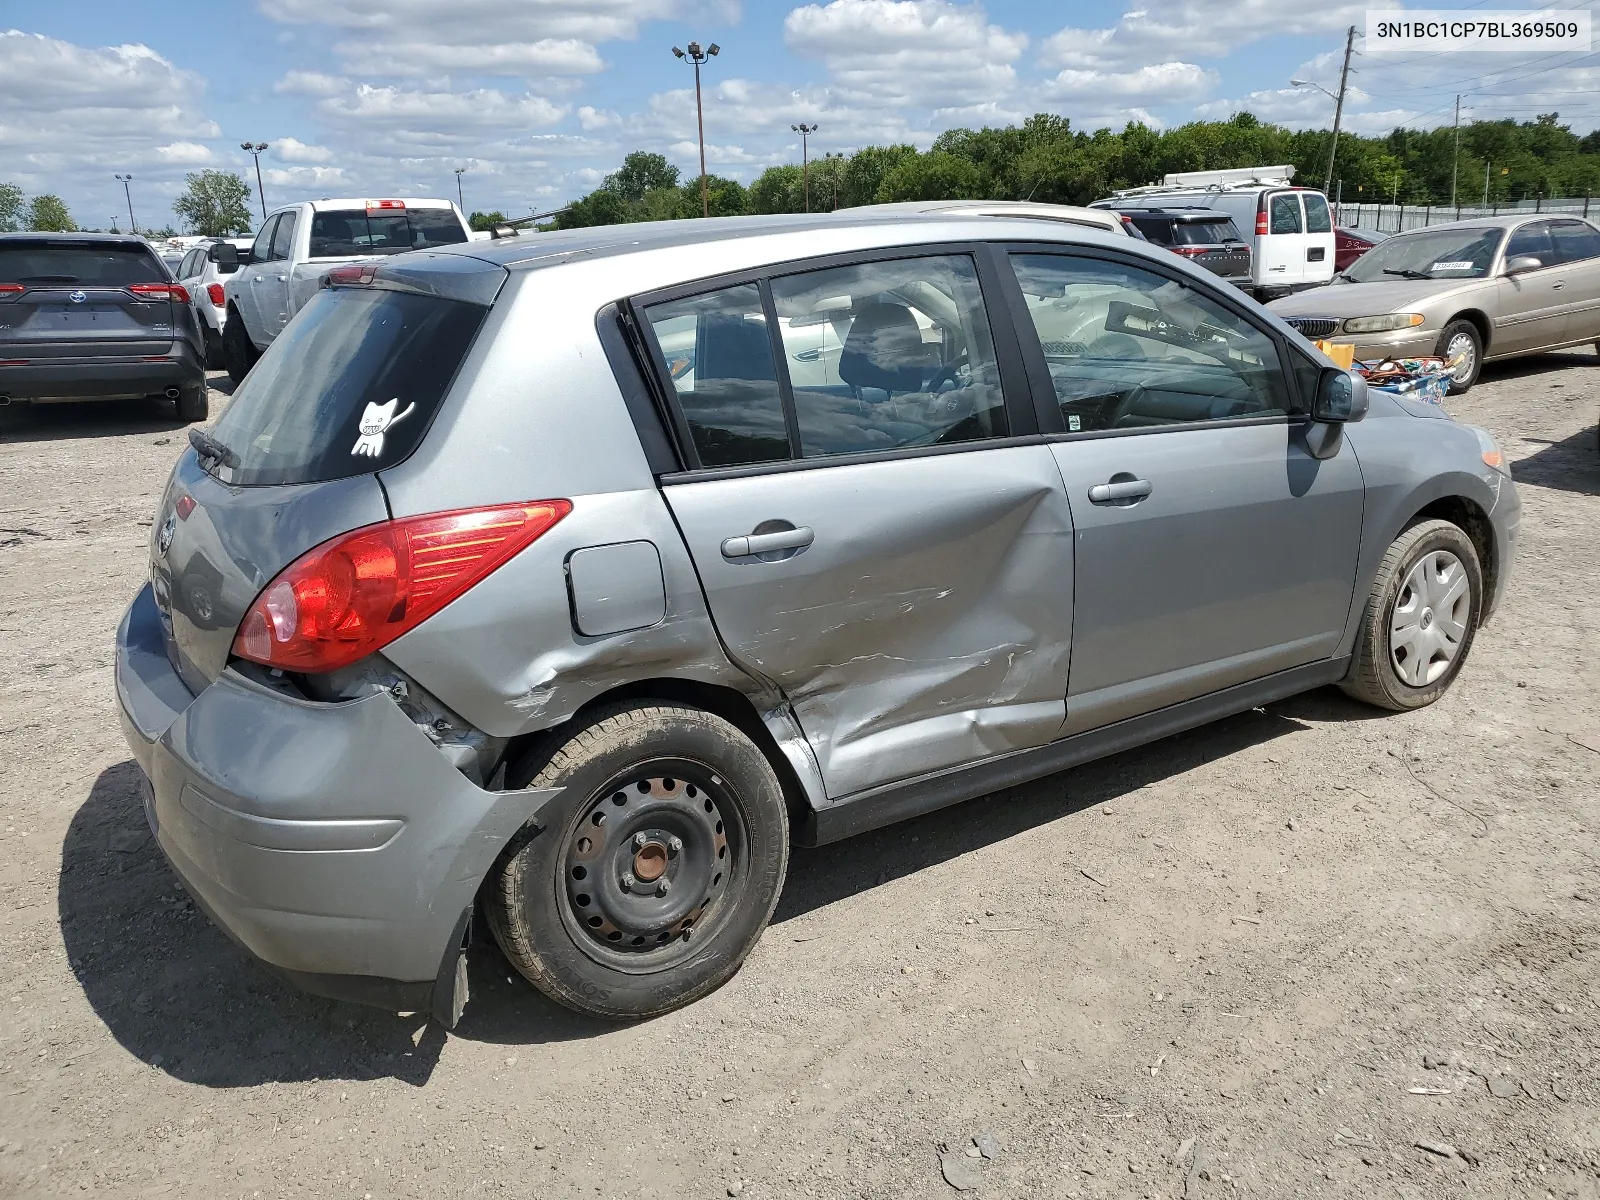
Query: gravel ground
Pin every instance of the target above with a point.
(1309, 951)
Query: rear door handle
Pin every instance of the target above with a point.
(1127, 489)
(765, 543)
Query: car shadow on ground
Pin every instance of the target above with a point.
(1572, 464)
(87, 419)
(1552, 367)
(178, 994)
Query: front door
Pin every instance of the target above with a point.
(1532, 306)
(245, 292)
(1211, 548)
(872, 541)
(273, 293)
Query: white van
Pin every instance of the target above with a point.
(1290, 229)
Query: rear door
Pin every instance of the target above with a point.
(1211, 547)
(877, 543)
(1577, 247)
(67, 298)
(1533, 305)
(1320, 250)
(1281, 250)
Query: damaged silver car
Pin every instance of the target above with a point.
(567, 580)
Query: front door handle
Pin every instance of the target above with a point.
(765, 543)
(1558, 285)
(1120, 491)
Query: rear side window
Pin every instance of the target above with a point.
(349, 388)
(51, 263)
(346, 233)
(1155, 229)
(1575, 240)
(1317, 218)
(1285, 210)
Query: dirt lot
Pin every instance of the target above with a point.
(1270, 957)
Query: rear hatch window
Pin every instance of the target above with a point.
(1204, 233)
(348, 388)
(347, 233)
(77, 264)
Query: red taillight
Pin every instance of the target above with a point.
(355, 594)
(1261, 222)
(214, 293)
(160, 291)
(352, 276)
(377, 204)
(7, 288)
(1189, 251)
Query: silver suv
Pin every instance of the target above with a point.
(569, 579)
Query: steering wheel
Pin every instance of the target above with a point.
(1122, 406)
(946, 373)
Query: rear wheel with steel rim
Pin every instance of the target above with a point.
(1460, 342)
(651, 876)
(1419, 620)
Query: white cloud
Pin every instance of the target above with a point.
(1157, 83)
(1193, 29)
(593, 118)
(922, 53)
(566, 56)
(187, 154)
(424, 115)
(318, 179)
(295, 151)
(311, 83)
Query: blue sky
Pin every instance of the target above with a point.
(540, 98)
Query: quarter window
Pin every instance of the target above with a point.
(1285, 213)
(718, 353)
(889, 354)
(1129, 349)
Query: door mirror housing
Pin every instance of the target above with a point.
(227, 257)
(1521, 263)
(1341, 397)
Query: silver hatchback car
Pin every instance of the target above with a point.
(569, 579)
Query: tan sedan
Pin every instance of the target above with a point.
(1471, 291)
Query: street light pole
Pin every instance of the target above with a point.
(255, 149)
(698, 57)
(460, 203)
(805, 131)
(125, 180)
(835, 164)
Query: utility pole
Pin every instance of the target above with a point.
(255, 148)
(1455, 166)
(125, 180)
(1486, 185)
(805, 131)
(1338, 107)
(698, 57)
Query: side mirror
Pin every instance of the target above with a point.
(1341, 397)
(1521, 263)
(225, 255)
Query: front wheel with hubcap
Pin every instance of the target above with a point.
(1420, 618)
(1461, 343)
(647, 881)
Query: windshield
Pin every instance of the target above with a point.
(348, 388)
(347, 233)
(1429, 254)
(103, 264)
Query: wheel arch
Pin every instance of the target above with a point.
(1479, 320)
(1468, 516)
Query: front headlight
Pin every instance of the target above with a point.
(1383, 324)
(1492, 456)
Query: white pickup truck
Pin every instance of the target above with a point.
(300, 243)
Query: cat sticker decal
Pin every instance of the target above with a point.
(376, 421)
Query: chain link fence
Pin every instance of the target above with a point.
(1393, 218)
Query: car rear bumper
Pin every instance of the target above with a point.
(333, 842)
(101, 378)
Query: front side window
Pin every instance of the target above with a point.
(283, 239)
(1285, 213)
(717, 351)
(261, 248)
(890, 354)
(1317, 218)
(1532, 239)
(1574, 240)
(1128, 348)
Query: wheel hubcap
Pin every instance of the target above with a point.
(1462, 345)
(1430, 618)
(645, 864)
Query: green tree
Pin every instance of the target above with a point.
(934, 176)
(864, 173)
(47, 214)
(215, 204)
(10, 208)
(640, 173)
(778, 190)
(480, 222)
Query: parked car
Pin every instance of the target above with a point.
(1351, 244)
(1204, 236)
(299, 244)
(475, 600)
(1470, 291)
(1289, 228)
(88, 316)
(202, 279)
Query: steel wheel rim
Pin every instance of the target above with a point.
(1462, 344)
(1430, 618)
(644, 878)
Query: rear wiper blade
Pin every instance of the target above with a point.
(1407, 274)
(208, 447)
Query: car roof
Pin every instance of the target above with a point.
(339, 202)
(1499, 221)
(129, 241)
(1195, 214)
(1010, 208)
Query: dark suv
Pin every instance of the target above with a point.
(1204, 236)
(87, 316)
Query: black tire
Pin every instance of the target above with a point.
(238, 351)
(193, 404)
(573, 906)
(216, 357)
(1374, 674)
(1455, 332)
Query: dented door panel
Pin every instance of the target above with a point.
(924, 623)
